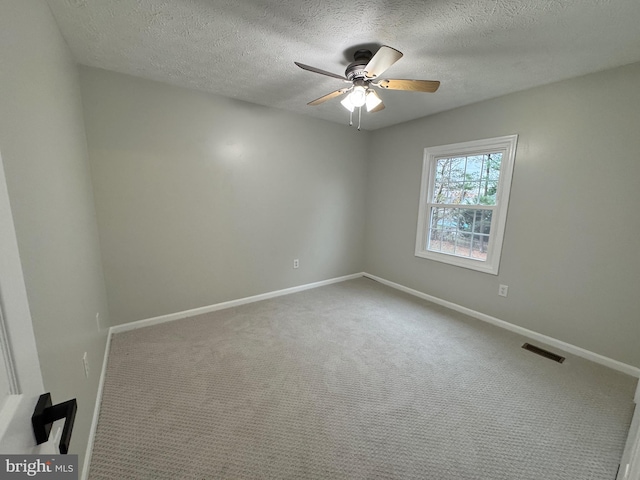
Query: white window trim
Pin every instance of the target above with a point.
(507, 145)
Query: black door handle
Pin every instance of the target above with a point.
(45, 414)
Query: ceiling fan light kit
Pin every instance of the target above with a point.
(361, 74)
(346, 103)
(358, 96)
(373, 100)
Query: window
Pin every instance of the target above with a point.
(463, 202)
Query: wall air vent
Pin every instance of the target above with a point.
(544, 353)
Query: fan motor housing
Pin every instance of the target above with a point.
(356, 68)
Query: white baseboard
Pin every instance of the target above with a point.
(232, 303)
(567, 347)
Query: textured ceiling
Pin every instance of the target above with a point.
(244, 49)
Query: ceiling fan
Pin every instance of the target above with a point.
(363, 74)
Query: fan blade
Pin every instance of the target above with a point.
(409, 85)
(328, 96)
(321, 72)
(383, 59)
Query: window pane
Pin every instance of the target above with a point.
(463, 244)
(463, 232)
(457, 169)
(450, 218)
(448, 241)
(434, 217)
(495, 161)
(435, 240)
(465, 220)
(482, 220)
(479, 250)
(488, 190)
(468, 180)
(475, 168)
(486, 220)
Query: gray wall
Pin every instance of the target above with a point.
(202, 199)
(43, 147)
(570, 250)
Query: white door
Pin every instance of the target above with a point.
(20, 377)
(630, 464)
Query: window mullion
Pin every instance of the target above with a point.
(480, 179)
(464, 181)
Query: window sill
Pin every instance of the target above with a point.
(469, 263)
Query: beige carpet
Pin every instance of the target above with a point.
(352, 381)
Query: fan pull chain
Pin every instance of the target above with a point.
(351, 119)
(359, 117)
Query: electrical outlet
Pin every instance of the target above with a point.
(296, 263)
(503, 290)
(85, 364)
